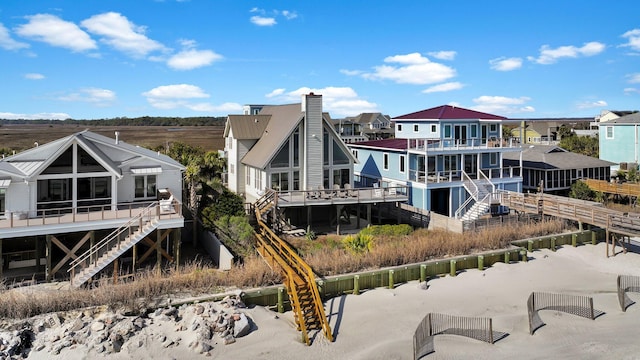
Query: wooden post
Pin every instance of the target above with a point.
(1, 259)
(281, 300)
(134, 262)
(480, 262)
(368, 214)
(115, 270)
(309, 209)
(338, 210)
(47, 270)
(452, 267)
(391, 282)
(177, 242)
(37, 244)
(92, 241)
(423, 273)
(607, 240)
(358, 216)
(158, 248)
(356, 285)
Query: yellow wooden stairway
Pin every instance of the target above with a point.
(300, 280)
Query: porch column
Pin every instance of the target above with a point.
(177, 240)
(358, 216)
(135, 258)
(309, 216)
(158, 248)
(338, 210)
(74, 179)
(37, 254)
(368, 214)
(47, 270)
(114, 193)
(1, 259)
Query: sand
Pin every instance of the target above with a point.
(379, 324)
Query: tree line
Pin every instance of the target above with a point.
(126, 121)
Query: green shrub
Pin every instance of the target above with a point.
(387, 230)
(358, 244)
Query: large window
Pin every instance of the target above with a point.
(280, 181)
(94, 191)
(341, 176)
(282, 158)
(339, 156)
(145, 186)
(447, 131)
(402, 165)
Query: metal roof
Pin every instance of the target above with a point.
(448, 112)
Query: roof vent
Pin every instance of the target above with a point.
(117, 137)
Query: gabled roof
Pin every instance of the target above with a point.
(246, 126)
(553, 157)
(625, 120)
(448, 112)
(282, 121)
(367, 118)
(32, 162)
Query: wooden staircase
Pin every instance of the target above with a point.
(300, 282)
(114, 245)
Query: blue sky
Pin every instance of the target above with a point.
(95, 59)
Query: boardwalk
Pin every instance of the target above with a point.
(587, 212)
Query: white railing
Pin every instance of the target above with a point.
(455, 144)
(115, 238)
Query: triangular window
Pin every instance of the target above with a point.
(86, 163)
(63, 164)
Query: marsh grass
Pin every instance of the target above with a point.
(327, 255)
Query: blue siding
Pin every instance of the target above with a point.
(622, 147)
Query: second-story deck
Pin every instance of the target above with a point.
(342, 196)
(97, 217)
(433, 177)
(444, 145)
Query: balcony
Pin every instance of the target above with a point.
(434, 177)
(16, 223)
(437, 144)
(342, 196)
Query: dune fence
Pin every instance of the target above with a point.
(433, 324)
(627, 283)
(570, 304)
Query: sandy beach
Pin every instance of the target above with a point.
(380, 324)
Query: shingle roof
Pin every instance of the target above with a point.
(552, 157)
(246, 126)
(283, 119)
(448, 112)
(627, 119)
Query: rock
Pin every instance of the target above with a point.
(97, 326)
(199, 309)
(229, 340)
(241, 326)
(202, 347)
(76, 325)
(53, 321)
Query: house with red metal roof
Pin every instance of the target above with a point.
(449, 157)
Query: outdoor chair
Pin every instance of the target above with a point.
(166, 206)
(311, 194)
(339, 192)
(349, 190)
(324, 193)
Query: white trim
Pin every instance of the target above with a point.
(385, 161)
(402, 168)
(606, 132)
(146, 170)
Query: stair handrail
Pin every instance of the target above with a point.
(295, 263)
(462, 210)
(493, 186)
(466, 181)
(107, 239)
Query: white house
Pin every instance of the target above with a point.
(84, 184)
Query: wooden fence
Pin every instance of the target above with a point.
(627, 283)
(571, 304)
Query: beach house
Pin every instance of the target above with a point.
(449, 157)
(85, 201)
(618, 140)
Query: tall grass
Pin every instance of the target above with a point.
(326, 255)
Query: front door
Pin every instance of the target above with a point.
(460, 134)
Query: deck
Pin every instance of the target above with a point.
(342, 196)
(83, 219)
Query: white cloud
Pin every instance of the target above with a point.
(96, 96)
(54, 31)
(633, 39)
(38, 116)
(121, 34)
(551, 56)
(505, 64)
(351, 72)
(177, 96)
(7, 43)
(339, 101)
(444, 87)
(413, 69)
(263, 21)
(289, 15)
(629, 91)
(443, 55)
(274, 93)
(502, 105)
(591, 104)
(34, 76)
(192, 59)
(633, 78)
